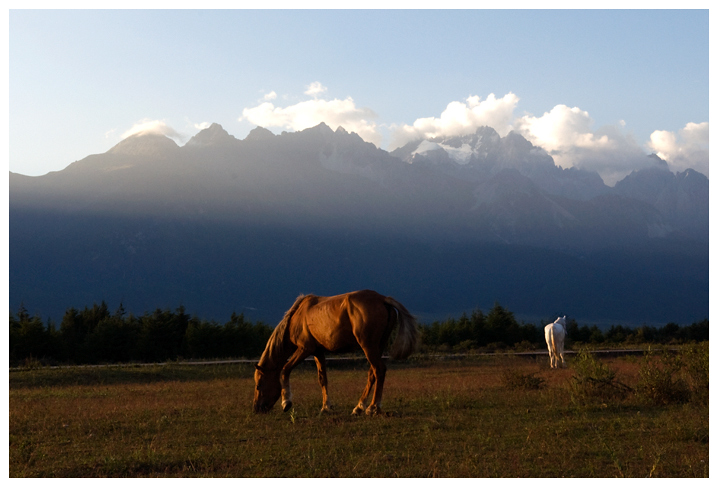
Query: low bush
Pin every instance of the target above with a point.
(697, 365)
(669, 378)
(513, 379)
(593, 380)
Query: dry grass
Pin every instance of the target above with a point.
(443, 419)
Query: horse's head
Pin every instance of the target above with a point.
(561, 321)
(267, 389)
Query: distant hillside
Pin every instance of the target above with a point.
(223, 225)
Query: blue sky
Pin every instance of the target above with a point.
(597, 89)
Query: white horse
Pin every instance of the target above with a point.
(555, 335)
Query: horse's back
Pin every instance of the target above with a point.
(365, 297)
(339, 322)
(555, 335)
(365, 302)
(334, 309)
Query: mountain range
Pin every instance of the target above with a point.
(444, 225)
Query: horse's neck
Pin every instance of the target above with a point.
(277, 352)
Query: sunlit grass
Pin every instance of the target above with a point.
(444, 419)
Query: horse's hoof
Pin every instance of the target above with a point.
(373, 411)
(327, 410)
(287, 406)
(357, 411)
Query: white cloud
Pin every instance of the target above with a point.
(688, 148)
(315, 89)
(270, 96)
(567, 135)
(310, 113)
(146, 126)
(461, 118)
(201, 126)
(560, 129)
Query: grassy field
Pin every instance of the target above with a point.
(457, 418)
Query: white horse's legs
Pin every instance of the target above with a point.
(553, 357)
(559, 353)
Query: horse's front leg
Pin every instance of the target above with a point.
(299, 355)
(323, 382)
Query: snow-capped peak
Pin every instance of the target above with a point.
(461, 155)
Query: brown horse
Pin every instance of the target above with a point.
(315, 325)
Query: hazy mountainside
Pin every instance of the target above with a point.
(682, 199)
(579, 199)
(223, 225)
(317, 177)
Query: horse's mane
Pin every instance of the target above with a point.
(276, 345)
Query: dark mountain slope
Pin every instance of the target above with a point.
(215, 268)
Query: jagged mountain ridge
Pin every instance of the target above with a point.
(317, 174)
(501, 189)
(480, 155)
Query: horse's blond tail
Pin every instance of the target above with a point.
(551, 341)
(407, 337)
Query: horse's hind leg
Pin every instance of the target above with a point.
(371, 379)
(323, 382)
(379, 368)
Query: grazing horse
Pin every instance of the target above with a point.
(555, 335)
(315, 325)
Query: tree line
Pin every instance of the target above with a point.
(499, 329)
(96, 335)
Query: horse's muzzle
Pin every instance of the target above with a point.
(262, 408)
